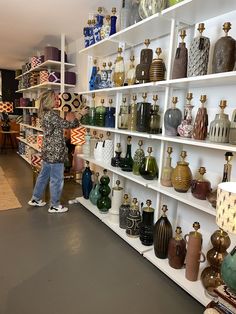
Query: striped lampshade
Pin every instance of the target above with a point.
(77, 135)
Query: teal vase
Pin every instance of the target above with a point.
(95, 194)
(228, 270)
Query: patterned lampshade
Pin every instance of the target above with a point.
(226, 206)
(6, 106)
(77, 136)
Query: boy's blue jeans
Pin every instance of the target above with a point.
(54, 172)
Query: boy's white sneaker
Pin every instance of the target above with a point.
(57, 209)
(38, 203)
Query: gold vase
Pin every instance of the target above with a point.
(182, 176)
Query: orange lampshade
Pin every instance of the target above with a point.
(77, 135)
(6, 106)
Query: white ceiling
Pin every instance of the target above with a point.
(26, 26)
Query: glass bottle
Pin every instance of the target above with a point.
(116, 161)
(125, 13)
(123, 115)
(95, 194)
(104, 202)
(116, 201)
(133, 220)
(132, 119)
(97, 79)
(123, 212)
(93, 141)
(131, 79)
(185, 129)
(167, 169)
(177, 250)
(157, 68)
(142, 69)
(134, 18)
(113, 21)
(149, 7)
(91, 24)
(172, 118)
(201, 121)
(110, 115)
(219, 128)
(127, 162)
(104, 77)
(100, 114)
(98, 25)
(93, 76)
(154, 125)
(109, 75)
(86, 32)
(162, 235)
(86, 145)
(149, 169)
(119, 72)
(139, 158)
(200, 186)
(182, 176)
(147, 224)
(143, 114)
(87, 183)
(92, 111)
(106, 27)
(181, 59)
(85, 118)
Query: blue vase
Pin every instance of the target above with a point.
(97, 79)
(110, 117)
(91, 35)
(93, 78)
(95, 194)
(113, 22)
(87, 183)
(86, 36)
(97, 27)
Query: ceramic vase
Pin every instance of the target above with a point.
(177, 250)
(147, 224)
(172, 118)
(182, 176)
(123, 212)
(133, 220)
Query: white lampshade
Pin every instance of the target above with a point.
(226, 206)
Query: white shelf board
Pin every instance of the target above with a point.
(34, 146)
(31, 127)
(195, 11)
(194, 288)
(186, 198)
(92, 208)
(26, 159)
(103, 48)
(192, 142)
(42, 86)
(30, 108)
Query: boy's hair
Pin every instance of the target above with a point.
(46, 102)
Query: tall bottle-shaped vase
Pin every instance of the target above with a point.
(91, 32)
(182, 176)
(157, 68)
(185, 129)
(133, 220)
(95, 194)
(93, 142)
(113, 22)
(155, 118)
(194, 255)
(167, 169)
(100, 114)
(116, 201)
(98, 148)
(149, 169)
(132, 119)
(123, 117)
(224, 55)
(117, 160)
(172, 118)
(139, 158)
(219, 128)
(201, 121)
(201, 187)
(119, 72)
(104, 77)
(106, 27)
(143, 114)
(85, 118)
(123, 212)
(177, 250)
(110, 115)
(86, 145)
(104, 202)
(199, 54)
(162, 235)
(127, 162)
(142, 69)
(108, 148)
(87, 183)
(93, 75)
(109, 75)
(92, 111)
(98, 25)
(125, 13)
(130, 76)
(147, 224)
(181, 59)
(86, 32)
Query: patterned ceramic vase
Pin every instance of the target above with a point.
(157, 68)
(219, 128)
(201, 121)
(185, 129)
(182, 176)
(133, 220)
(123, 212)
(167, 170)
(147, 224)
(139, 158)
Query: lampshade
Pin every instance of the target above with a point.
(226, 206)
(77, 135)
(6, 106)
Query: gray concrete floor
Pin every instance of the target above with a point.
(72, 263)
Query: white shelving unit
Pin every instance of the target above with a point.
(45, 85)
(31, 127)
(34, 146)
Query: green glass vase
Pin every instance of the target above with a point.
(95, 193)
(139, 158)
(149, 169)
(100, 114)
(127, 162)
(104, 202)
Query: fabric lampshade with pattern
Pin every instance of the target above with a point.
(6, 106)
(77, 136)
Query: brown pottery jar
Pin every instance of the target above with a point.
(201, 187)
(182, 176)
(177, 250)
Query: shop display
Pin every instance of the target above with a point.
(181, 59)
(139, 158)
(177, 250)
(194, 254)
(127, 162)
(182, 176)
(232, 130)
(211, 276)
(219, 128)
(162, 235)
(113, 21)
(224, 55)
(100, 112)
(125, 13)
(132, 119)
(116, 200)
(87, 183)
(131, 79)
(110, 115)
(104, 202)
(117, 160)
(119, 72)
(92, 111)
(185, 129)
(143, 114)
(155, 118)
(123, 212)
(106, 27)
(199, 54)
(172, 118)
(98, 25)
(147, 224)
(142, 69)
(149, 169)
(167, 169)
(123, 115)
(201, 121)
(149, 7)
(201, 187)
(133, 220)
(157, 68)
(95, 194)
